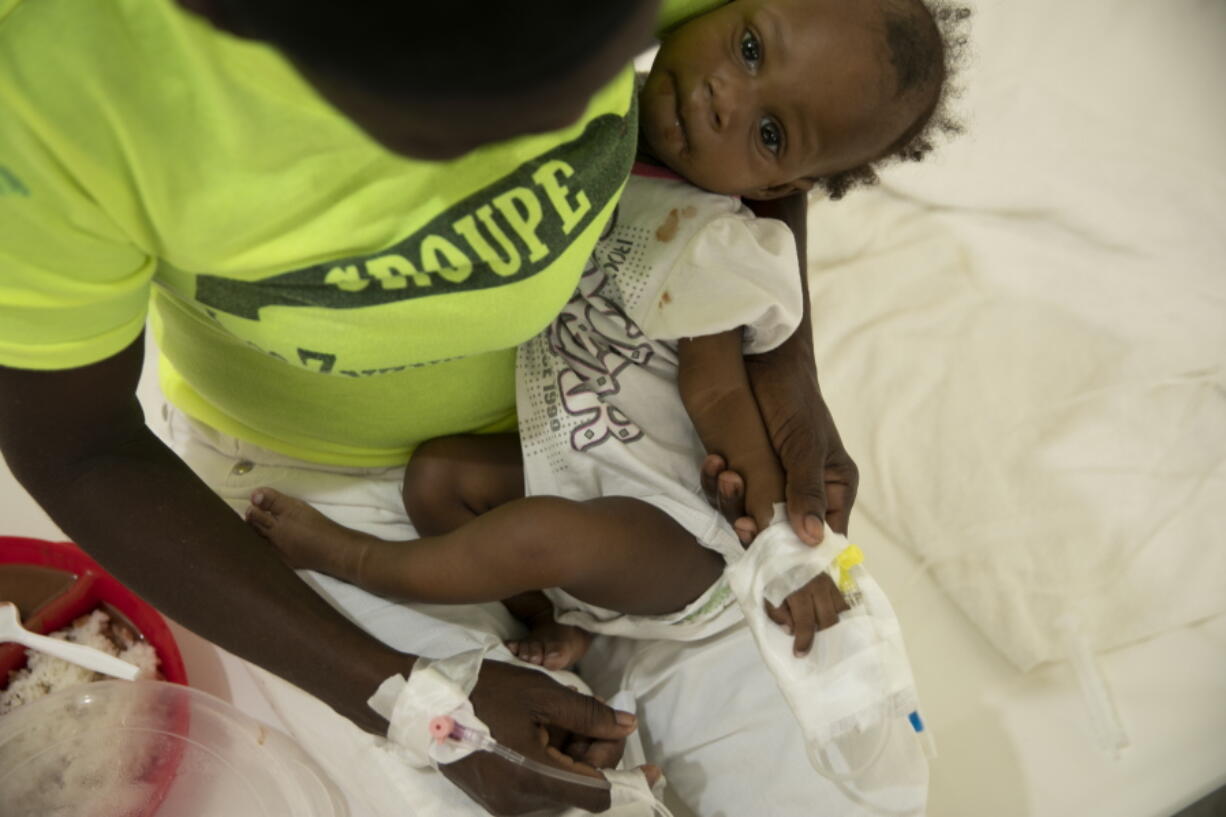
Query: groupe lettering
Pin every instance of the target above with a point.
(451, 258)
(510, 230)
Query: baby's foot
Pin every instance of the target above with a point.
(550, 644)
(306, 537)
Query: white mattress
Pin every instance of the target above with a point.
(1013, 744)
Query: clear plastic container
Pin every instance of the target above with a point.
(153, 749)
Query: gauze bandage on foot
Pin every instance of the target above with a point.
(431, 722)
(855, 684)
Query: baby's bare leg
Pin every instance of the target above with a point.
(451, 480)
(614, 552)
(447, 483)
(308, 539)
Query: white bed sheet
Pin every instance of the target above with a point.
(1013, 744)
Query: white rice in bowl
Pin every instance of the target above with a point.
(83, 772)
(44, 674)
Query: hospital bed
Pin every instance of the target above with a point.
(1024, 341)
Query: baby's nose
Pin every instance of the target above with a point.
(725, 97)
(716, 104)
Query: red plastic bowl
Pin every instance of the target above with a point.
(91, 588)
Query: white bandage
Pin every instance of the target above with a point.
(441, 687)
(856, 680)
(434, 687)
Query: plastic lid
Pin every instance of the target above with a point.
(153, 749)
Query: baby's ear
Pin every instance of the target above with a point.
(778, 191)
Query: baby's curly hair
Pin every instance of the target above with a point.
(926, 43)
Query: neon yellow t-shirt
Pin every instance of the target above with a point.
(311, 292)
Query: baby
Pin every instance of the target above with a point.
(597, 501)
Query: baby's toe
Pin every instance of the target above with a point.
(556, 657)
(278, 503)
(262, 497)
(259, 519)
(532, 652)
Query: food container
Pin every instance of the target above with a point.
(134, 749)
(56, 582)
(100, 750)
(53, 584)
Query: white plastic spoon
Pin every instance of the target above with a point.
(79, 654)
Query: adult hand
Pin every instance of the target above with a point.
(531, 713)
(821, 476)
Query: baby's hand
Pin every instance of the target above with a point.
(813, 607)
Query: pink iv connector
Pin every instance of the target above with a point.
(444, 728)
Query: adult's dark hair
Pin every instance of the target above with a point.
(442, 49)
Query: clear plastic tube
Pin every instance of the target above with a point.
(1105, 720)
(445, 728)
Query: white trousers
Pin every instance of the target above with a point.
(710, 713)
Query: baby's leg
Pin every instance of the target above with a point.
(306, 538)
(453, 479)
(614, 552)
(310, 540)
(450, 480)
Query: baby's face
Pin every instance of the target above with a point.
(761, 97)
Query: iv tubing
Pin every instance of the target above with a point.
(445, 728)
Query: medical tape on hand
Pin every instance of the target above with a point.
(787, 562)
(629, 785)
(434, 687)
(629, 793)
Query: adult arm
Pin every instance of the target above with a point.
(77, 441)
(821, 477)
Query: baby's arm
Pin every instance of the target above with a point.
(717, 395)
(716, 392)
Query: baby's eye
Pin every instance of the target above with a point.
(772, 135)
(751, 49)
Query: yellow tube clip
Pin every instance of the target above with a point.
(848, 558)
